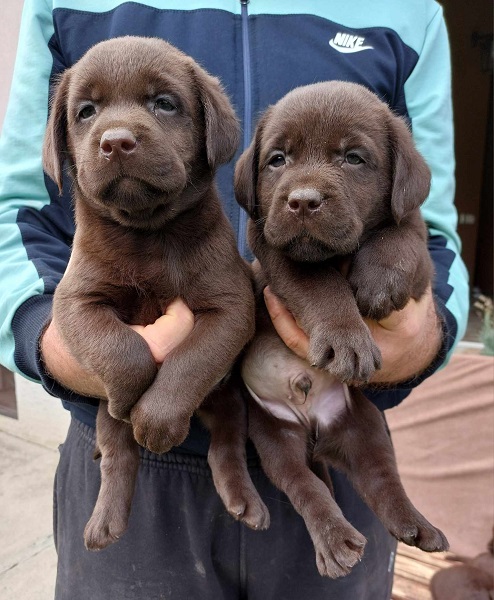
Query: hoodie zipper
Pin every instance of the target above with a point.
(242, 222)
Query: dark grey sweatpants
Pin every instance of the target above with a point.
(182, 545)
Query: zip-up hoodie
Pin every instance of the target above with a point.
(260, 50)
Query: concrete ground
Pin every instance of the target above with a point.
(28, 459)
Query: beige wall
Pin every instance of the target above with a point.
(9, 31)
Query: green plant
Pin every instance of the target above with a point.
(486, 308)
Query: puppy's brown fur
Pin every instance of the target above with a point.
(333, 183)
(143, 129)
(472, 580)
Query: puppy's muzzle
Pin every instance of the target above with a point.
(304, 202)
(117, 143)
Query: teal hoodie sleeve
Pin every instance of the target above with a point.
(34, 242)
(428, 98)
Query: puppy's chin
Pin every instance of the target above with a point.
(136, 203)
(131, 193)
(147, 218)
(304, 248)
(303, 245)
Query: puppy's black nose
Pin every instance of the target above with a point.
(304, 201)
(117, 142)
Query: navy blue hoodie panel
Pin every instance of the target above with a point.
(283, 45)
(443, 258)
(201, 33)
(47, 236)
(42, 230)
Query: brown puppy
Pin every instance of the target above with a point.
(472, 580)
(143, 129)
(333, 184)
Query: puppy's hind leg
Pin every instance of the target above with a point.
(283, 451)
(320, 468)
(224, 414)
(119, 463)
(360, 446)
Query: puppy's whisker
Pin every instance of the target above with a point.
(72, 169)
(279, 500)
(190, 182)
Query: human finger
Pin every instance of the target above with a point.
(168, 331)
(286, 325)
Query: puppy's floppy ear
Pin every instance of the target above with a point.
(222, 127)
(247, 171)
(411, 175)
(55, 142)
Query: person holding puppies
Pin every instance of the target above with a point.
(180, 542)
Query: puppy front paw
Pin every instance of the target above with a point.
(242, 501)
(350, 354)
(124, 391)
(380, 291)
(120, 407)
(247, 507)
(156, 431)
(339, 547)
(412, 528)
(105, 527)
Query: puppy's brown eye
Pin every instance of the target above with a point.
(352, 158)
(86, 112)
(277, 160)
(164, 104)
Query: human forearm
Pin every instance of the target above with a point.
(409, 340)
(64, 368)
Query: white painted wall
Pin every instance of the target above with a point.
(9, 31)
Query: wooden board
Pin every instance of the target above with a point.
(414, 570)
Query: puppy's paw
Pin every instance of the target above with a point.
(154, 431)
(123, 393)
(417, 531)
(104, 528)
(245, 505)
(339, 547)
(120, 408)
(351, 355)
(380, 291)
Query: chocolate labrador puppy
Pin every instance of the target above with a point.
(473, 579)
(143, 129)
(333, 184)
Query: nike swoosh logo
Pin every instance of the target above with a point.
(345, 50)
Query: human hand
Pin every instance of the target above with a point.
(409, 339)
(162, 336)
